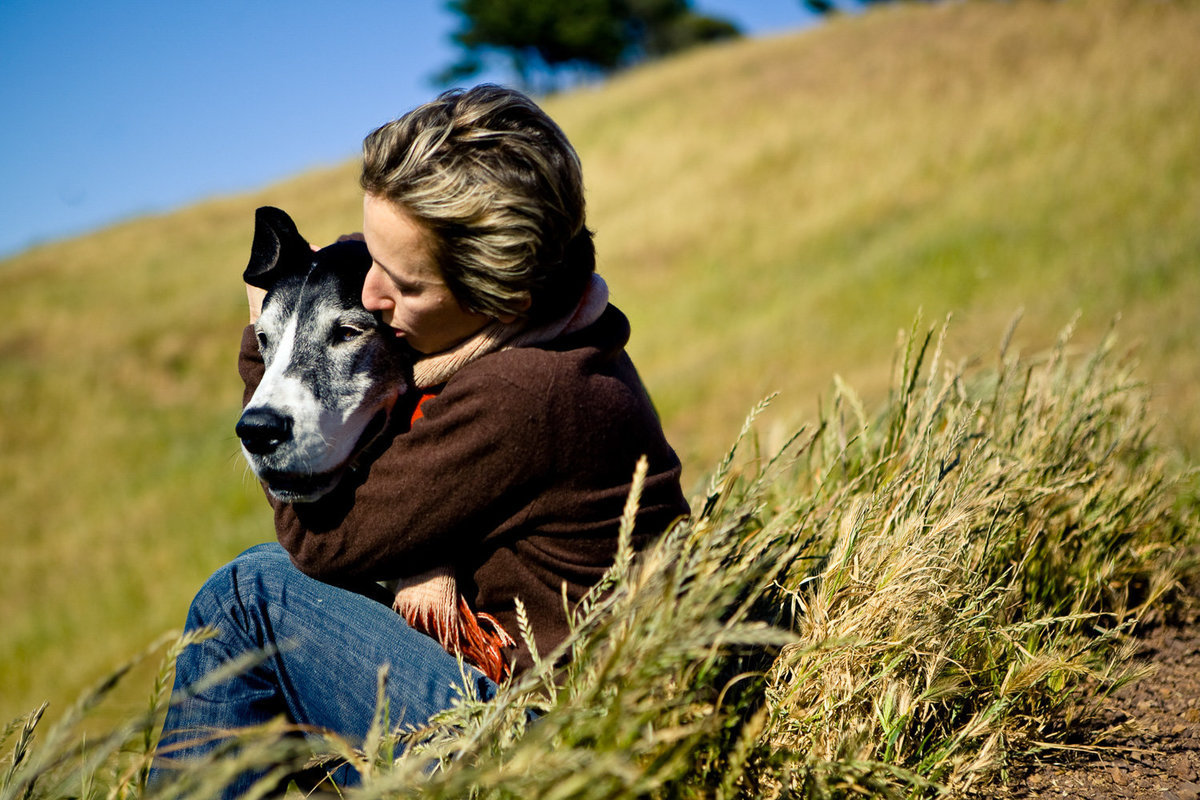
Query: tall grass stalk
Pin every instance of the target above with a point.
(991, 538)
(898, 605)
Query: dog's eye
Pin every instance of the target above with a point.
(346, 333)
(262, 340)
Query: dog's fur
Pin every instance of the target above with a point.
(334, 371)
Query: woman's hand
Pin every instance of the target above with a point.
(254, 297)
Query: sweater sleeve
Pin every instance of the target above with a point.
(250, 364)
(463, 471)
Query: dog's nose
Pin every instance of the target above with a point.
(263, 430)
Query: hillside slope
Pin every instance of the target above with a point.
(772, 213)
(769, 213)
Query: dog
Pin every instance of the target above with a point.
(333, 369)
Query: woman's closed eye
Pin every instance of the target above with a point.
(406, 288)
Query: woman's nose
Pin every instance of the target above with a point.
(373, 297)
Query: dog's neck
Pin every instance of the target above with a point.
(438, 368)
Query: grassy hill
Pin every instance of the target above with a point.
(770, 213)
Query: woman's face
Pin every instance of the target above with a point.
(405, 286)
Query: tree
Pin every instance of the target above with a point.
(548, 38)
(833, 6)
(661, 27)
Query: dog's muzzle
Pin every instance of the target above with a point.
(262, 430)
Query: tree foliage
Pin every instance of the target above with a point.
(833, 6)
(548, 38)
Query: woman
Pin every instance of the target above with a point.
(508, 483)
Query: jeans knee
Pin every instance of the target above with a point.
(267, 553)
(256, 575)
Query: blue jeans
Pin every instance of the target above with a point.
(325, 644)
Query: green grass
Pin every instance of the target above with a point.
(770, 215)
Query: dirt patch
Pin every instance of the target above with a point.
(1154, 751)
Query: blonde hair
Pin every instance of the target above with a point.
(500, 190)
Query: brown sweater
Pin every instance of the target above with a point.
(517, 474)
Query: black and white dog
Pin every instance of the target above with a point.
(333, 369)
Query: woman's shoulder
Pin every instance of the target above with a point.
(594, 349)
(526, 372)
(565, 370)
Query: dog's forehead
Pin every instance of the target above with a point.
(328, 289)
(347, 262)
(320, 308)
(280, 303)
(324, 277)
(325, 292)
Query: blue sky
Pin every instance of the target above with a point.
(121, 108)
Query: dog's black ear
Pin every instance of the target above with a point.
(278, 248)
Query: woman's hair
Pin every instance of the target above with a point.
(499, 187)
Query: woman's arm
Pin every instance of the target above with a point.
(465, 470)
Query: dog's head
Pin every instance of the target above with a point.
(333, 369)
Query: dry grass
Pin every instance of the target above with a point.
(770, 213)
(895, 605)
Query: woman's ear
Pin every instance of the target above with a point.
(522, 307)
